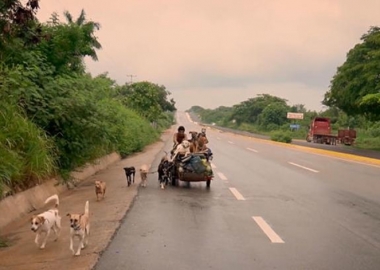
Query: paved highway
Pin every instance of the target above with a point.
(269, 207)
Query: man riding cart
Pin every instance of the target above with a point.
(189, 160)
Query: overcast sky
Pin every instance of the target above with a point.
(218, 52)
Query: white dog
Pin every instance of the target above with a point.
(80, 227)
(47, 221)
(183, 149)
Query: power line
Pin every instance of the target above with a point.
(131, 76)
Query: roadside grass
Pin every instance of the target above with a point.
(25, 150)
(3, 243)
(367, 143)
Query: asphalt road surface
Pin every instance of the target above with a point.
(269, 207)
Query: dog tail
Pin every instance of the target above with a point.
(53, 198)
(86, 208)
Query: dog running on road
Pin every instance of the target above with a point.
(144, 169)
(46, 222)
(130, 174)
(79, 227)
(100, 188)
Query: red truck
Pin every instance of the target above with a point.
(347, 136)
(320, 132)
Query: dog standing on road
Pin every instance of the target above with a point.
(100, 188)
(144, 169)
(46, 222)
(130, 174)
(80, 227)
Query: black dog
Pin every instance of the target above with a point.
(129, 172)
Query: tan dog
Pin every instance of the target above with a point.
(144, 169)
(100, 188)
(202, 141)
(79, 227)
(47, 221)
(193, 141)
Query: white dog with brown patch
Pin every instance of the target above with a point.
(79, 227)
(46, 222)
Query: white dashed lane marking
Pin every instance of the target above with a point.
(303, 167)
(268, 230)
(237, 194)
(222, 176)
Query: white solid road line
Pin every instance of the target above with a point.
(253, 150)
(213, 166)
(303, 167)
(222, 176)
(237, 194)
(188, 117)
(230, 142)
(268, 230)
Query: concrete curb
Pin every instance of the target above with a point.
(29, 200)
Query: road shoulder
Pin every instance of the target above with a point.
(105, 218)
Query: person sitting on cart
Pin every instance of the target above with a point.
(179, 137)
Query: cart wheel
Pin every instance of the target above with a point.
(172, 180)
(208, 183)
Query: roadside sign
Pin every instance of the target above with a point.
(295, 126)
(292, 115)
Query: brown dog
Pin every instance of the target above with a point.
(100, 188)
(80, 227)
(144, 169)
(193, 141)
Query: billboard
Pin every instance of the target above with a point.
(292, 115)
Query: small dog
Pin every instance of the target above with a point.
(46, 222)
(144, 169)
(130, 174)
(100, 188)
(163, 171)
(80, 227)
(182, 149)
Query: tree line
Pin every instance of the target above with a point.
(352, 100)
(55, 116)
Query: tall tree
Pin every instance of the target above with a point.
(69, 42)
(19, 27)
(356, 85)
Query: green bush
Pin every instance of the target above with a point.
(281, 136)
(368, 138)
(165, 121)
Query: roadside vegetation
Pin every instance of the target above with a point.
(353, 101)
(54, 116)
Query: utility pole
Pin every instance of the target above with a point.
(131, 76)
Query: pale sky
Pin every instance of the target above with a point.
(219, 53)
